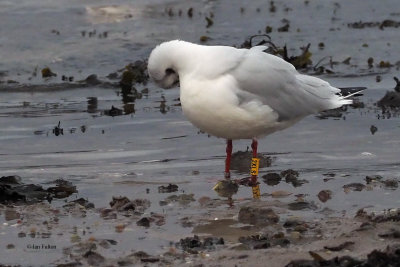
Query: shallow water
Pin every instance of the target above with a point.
(154, 144)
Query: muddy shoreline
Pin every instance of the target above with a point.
(104, 170)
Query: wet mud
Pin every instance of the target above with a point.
(99, 167)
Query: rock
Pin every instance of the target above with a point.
(141, 204)
(62, 189)
(282, 242)
(150, 260)
(94, 258)
(389, 257)
(295, 235)
(293, 222)
(113, 111)
(145, 222)
(300, 228)
(257, 216)
(331, 113)
(47, 73)
(291, 176)
(92, 80)
(83, 202)
(168, 189)
(390, 100)
(256, 241)
(226, 188)
(11, 214)
(373, 178)
(365, 226)
(241, 161)
(272, 178)
(121, 204)
(105, 243)
(21, 234)
(108, 214)
(289, 173)
(373, 129)
(390, 234)
(353, 187)
(12, 190)
(340, 247)
(194, 245)
(324, 195)
(391, 183)
(301, 205)
(14, 179)
(119, 228)
(141, 254)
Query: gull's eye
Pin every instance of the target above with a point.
(169, 71)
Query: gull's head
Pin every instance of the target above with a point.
(163, 64)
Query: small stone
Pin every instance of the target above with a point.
(279, 235)
(391, 183)
(10, 246)
(292, 222)
(301, 205)
(145, 222)
(324, 195)
(75, 238)
(94, 258)
(373, 178)
(47, 73)
(21, 235)
(300, 228)
(373, 129)
(150, 260)
(272, 178)
(354, 187)
(256, 241)
(257, 216)
(119, 228)
(283, 242)
(204, 38)
(168, 189)
(295, 235)
(11, 214)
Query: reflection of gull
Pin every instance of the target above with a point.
(239, 93)
(110, 14)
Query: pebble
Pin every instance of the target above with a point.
(257, 216)
(295, 235)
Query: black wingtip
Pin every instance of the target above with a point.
(354, 91)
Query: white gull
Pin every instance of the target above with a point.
(239, 93)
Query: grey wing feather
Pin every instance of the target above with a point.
(276, 83)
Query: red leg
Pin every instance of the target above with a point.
(254, 148)
(228, 159)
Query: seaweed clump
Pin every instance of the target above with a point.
(301, 61)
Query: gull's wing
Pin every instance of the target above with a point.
(276, 83)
